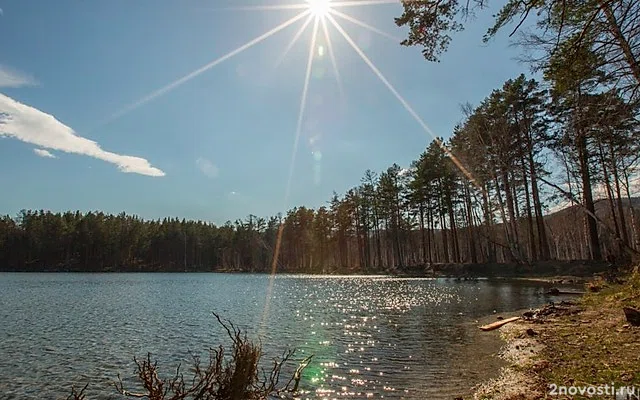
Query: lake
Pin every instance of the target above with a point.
(372, 337)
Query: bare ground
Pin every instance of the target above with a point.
(587, 344)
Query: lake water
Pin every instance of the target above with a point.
(372, 337)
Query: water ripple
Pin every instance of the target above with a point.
(373, 337)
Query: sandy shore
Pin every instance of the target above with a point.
(519, 378)
(584, 343)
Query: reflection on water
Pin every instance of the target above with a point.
(373, 337)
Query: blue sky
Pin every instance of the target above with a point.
(217, 147)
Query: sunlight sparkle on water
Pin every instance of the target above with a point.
(322, 15)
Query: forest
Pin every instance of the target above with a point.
(542, 169)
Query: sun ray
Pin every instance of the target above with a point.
(332, 57)
(294, 40)
(402, 101)
(303, 104)
(365, 25)
(272, 275)
(157, 93)
(356, 3)
(277, 7)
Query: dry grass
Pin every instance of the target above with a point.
(596, 346)
(593, 347)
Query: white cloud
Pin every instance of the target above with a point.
(207, 167)
(44, 153)
(33, 126)
(12, 78)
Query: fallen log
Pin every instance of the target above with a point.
(558, 292)
(498, 324)
(576, 292)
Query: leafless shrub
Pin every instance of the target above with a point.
(237, 376)
(75, 395)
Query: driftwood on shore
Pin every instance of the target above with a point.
(551, 310)
(498, 324)
(558, 292)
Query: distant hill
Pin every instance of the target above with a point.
(568, 238)
(601, 206)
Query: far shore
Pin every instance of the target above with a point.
(574, 271)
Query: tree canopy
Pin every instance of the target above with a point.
(609, 28)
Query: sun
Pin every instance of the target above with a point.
(319, 8)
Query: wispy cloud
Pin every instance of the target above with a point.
(12, 78)
(44, 153)
(207, 167)
(31, 125)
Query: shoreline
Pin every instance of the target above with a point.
(569, 270)
(502, 358)
(583, 344)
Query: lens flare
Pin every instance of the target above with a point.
(319, 8)
(401, 99)
(178, 82)
(318, 12)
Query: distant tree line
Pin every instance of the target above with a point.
(479, 197)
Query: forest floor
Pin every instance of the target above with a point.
(585, 345)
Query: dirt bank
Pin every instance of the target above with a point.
(583, 343)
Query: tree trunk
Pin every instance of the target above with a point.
(505, 223)
(616, 179)
(592, 227)
(624, 44)
(610, 199)
(454, 236)
(532, 239)
(430, 234)
(634, 226)
(452, 225)
(423, 238)
(445, 244)
(512, 223)
(488, 217)
(543, 241)
(470, 226)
